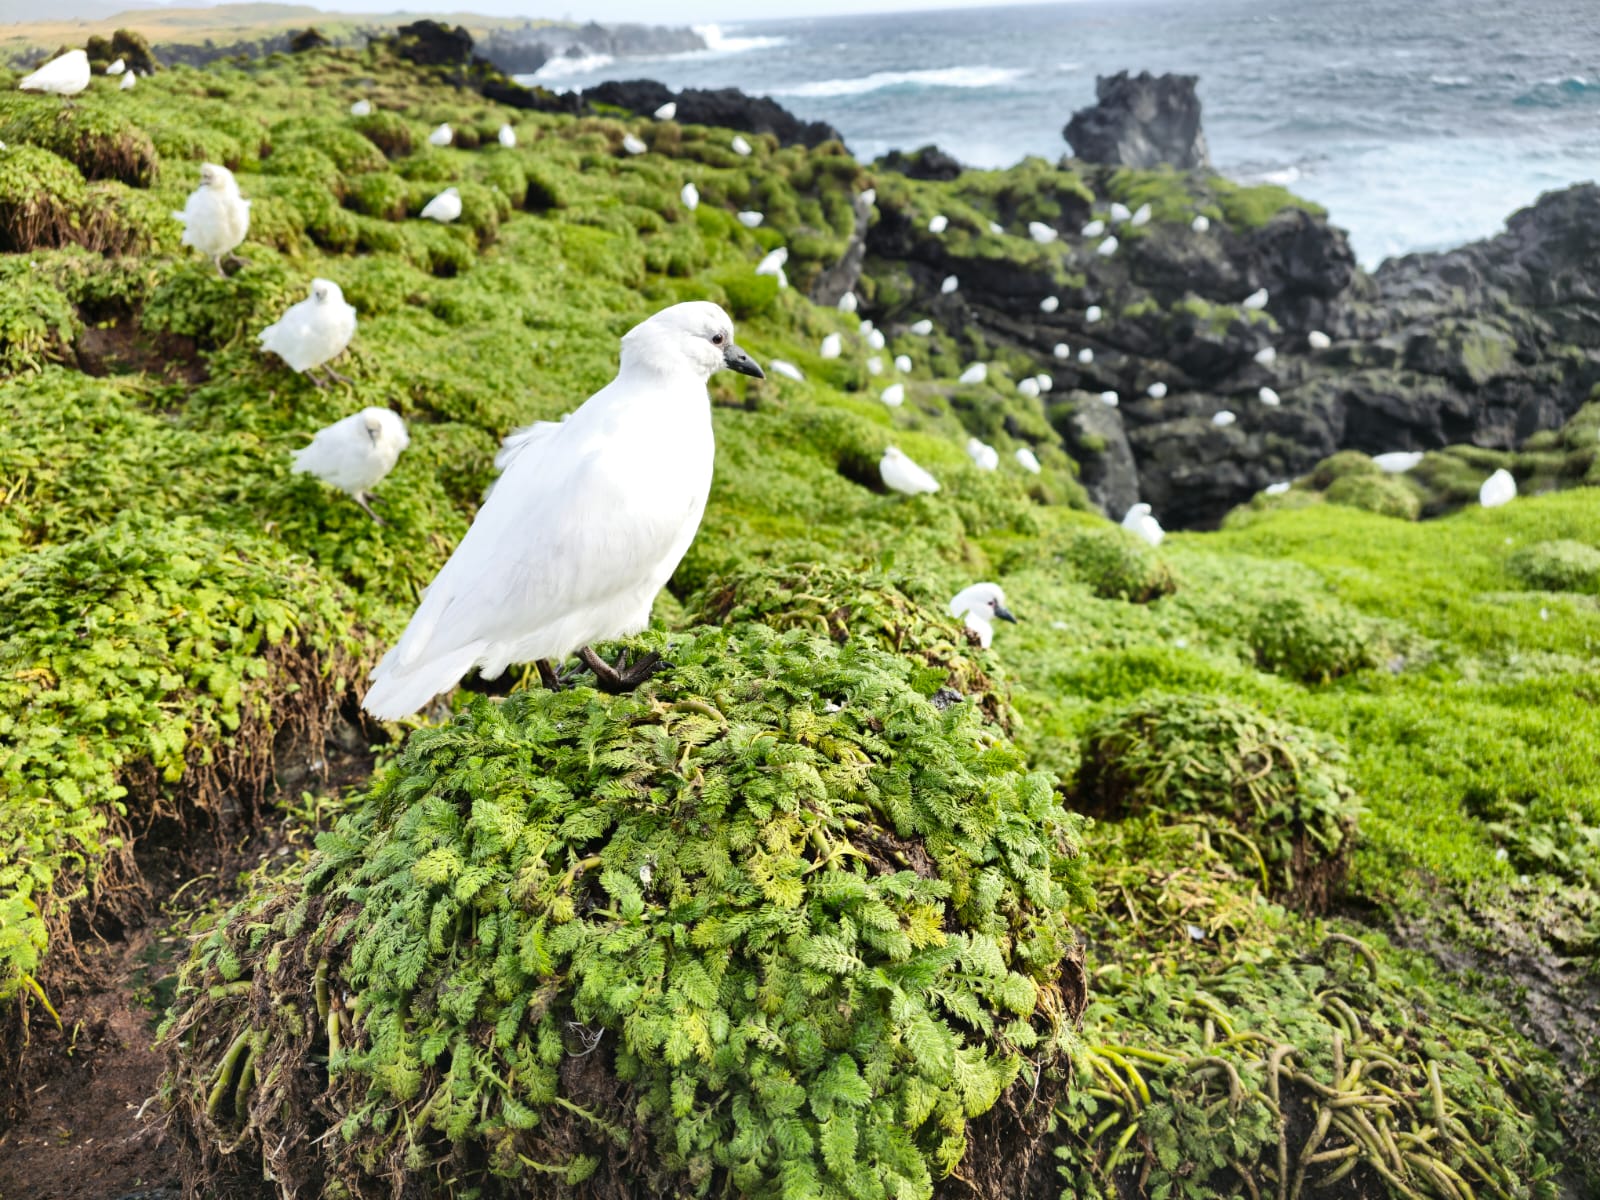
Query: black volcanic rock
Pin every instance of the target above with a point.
(930, 162)
(310, 38)
(727, 108)
(430, 44)
(1140, 121)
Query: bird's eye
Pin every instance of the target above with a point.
(717, 339)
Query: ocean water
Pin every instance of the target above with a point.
(1419, 124)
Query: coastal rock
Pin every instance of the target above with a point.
(726, 108)
(930, 162)
(843, 276)
(1094, 435)
(1140, 120)
(310, 38)
(430, 44)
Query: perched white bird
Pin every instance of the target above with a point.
(976, 373)
(1266, 356)
(1092, 314)
(740, 146)
(922, 328)
(1049, 304)
(1397, 462)
(1141, 216)
(1119, 212)
(1086, 356)
(751, 220)
(1269, 397)
(64, 76)
(1279, 488)
(900, 474)
(313, 332)
(1093, 229)
(1318, 340)
(874, 365)
(1110, 399)
(442, 136)
(1046, 383)
(772, 262)
(788, 370)
(1062, 351)
(690, 195)
(128, 80)
(1029, 387)
(875, 339)
(667, 111)
(1138, 520)
(1200, 224)
(938, 223)
(950, 284)
(1027, 460)
(997, 229)
(869, 197)
(1156, 391)
(632, 144)
(582, 530)
(1500, 488)
(832, 346)
(1223, 419)
(361, 108)
(507, 137)
(443, 208)
(355, 454)
(1256, 300)
(978, 607)
(215, 218)
(902, 363)
(118, 67)
(1107, 248)
(1042, 233)
(894, 395)
(984, 456)
(848, 304)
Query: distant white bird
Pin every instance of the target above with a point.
(875, 339)
(874, 365)
(1029, 387)
(215, 218)
(1266, 356)
(869, 197)
(690, 195)
(354, 454)
(1119, 212)
(740, 146)
(772, 264)
(667, 111)
(787, 369)
(1141, 216)
(1269, 397)
(1256, 300)
(832, 346)
(1086, 356)
(443, 208)
(361, 108)
(1224, 419)
(976, 373)
(507, 137)
(442, 136)
(1200, 224)
(632, 144)
(1062, 350)
(950, 284)
(1500, 488)
(313, 332)
(938, 223)
(128, 81)
(984, 456)
(118, 67)
(1318, 340)
(1156, 391)
(1092, 314)
(1049, 304)
(894, 395)
(1027, 460)
(997, 229)
(848, 303)
(1093, 229)
(901, 474)
(751, 219)
(1397, 462)
(1107, 248)
(979, 606)
(582, 530)
(922, 328)
(902, 363)
(1279, 488)
(1138, 520)
(66, 75)
(1042, 233)
(1045, 382)
(1110, 399)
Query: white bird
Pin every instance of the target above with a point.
(1397, 462)
(1266, 356)
(772, 264)
(1279, 488)
(848, 304)
(1027, 460)
(997, 229)
(1256, 300)
(1156, 391)
(875, 339)
(902, 363)
(1110, 399)
(1318, 340)
(751, 219)
(1029, 387)
(442, 136)
(1093, 229)
(215, 218)
(1062, 351)
(1046, 383)
(507, 137)
(690, 195)
(361, 108)
(1200, 224)
(894, 395)
(976, 373)
(900, 474)
(874, 365)
(443, 208)
(1269, 397)
(1138, 520)
(938, 223)
(64, 76)
(787, 369)
(950, 284)
(118, 67)
(978, 607)
(1141, 216)
(832, 346)
(354, 454)
(1223, 419)
(740, 146)
(1086, 356)
(1092, 314)
(1107, 248)
(1119, 212)
(984, 456)
(667, 111)
(1500, 488)
(128, 80)
(1049, 304)
(922, 328)
(869, 197)
(582, 530)
(313, 332)
(1042, 233)
(632, 144)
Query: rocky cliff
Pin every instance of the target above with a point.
(1141, 120)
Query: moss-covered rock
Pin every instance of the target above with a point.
(99, 141)
(1118, 565)
(1386, 495)
(1313, 639)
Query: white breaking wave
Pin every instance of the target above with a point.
(718, 42)
(1283, 177)
(947, 77)
(560, 67)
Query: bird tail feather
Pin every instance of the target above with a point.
(400, 691)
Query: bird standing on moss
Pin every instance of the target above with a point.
(443, 208)
(354, 454)
(979, 606)
(899, 473)
(1138, 520)
(314, 332)
(582, 530)
(64, 76)
(215, 218)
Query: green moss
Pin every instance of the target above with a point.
(1313, 640)
(1386, 495)
(1559, 566)
(1252, 207)
(91, 134)
(1117, 565)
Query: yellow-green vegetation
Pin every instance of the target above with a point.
(798, 918)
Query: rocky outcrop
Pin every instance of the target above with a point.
(727, 108)
(842, 277)
(1140, 120)
(930, 162)
(523, 51)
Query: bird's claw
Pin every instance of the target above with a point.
(619, 679)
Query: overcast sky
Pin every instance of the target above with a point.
(681, 12)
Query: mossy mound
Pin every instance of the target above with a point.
(772, 925)
(1312, 638)
(1386, 495)
(1283, 787)
(1118, 565)
(1560, 566)
(97, 139)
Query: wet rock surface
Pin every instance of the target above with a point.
(1141, 120)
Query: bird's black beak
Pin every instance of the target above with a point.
(1004, 613)
(736, 359)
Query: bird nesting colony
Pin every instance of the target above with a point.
(806, 913)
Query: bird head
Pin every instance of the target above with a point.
(1138, 510)
(213, 176)
(382, 425)
(985, 600)
(325, 291)
(696, 336)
